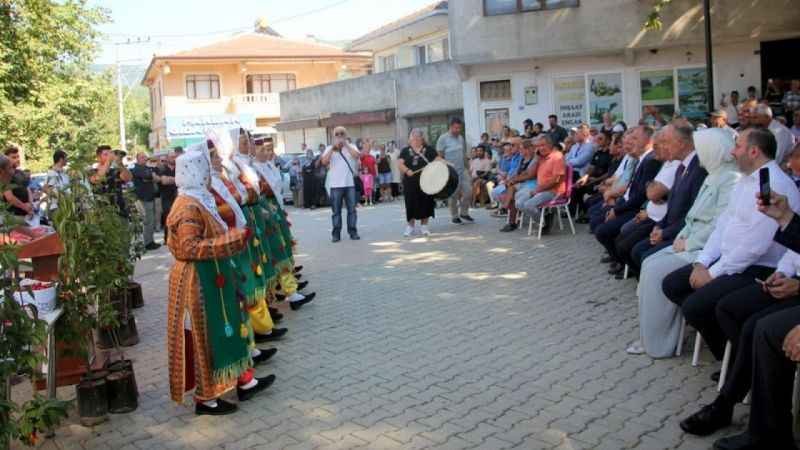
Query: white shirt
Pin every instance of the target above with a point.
(338, 173)
(742, 236)
(789, 265)
(638, 168)
(58, 181)
(733, 113)
(666, 176)
(785, 140)
(621, 167)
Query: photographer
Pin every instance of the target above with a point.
(341, 159)
(110, 175)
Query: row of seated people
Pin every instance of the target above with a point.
(681, 209)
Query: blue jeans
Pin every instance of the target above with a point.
(348, 195)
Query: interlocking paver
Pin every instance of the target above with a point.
(468, 339)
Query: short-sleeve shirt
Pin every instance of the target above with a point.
(550, 168)
(666, 176)
(415, 161)
(339, 174)
(452, 148)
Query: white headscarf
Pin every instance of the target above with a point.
(272, 174)
(224, 143)
(243, 161)
(192, 176)
(713, 147)
(219, 187)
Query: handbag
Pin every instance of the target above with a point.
(359, 185)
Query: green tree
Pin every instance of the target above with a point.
(653, 21)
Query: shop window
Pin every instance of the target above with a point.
(492, 91)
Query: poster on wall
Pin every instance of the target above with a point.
(692, 94)
(496, 119)
(570, 93)
(605, 96)
(658, 97)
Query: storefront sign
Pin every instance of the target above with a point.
(570, 94)
(194, 127)
(605, 96)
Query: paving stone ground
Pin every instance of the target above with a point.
(468, 339)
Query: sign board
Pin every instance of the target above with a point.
(531, 95)
(189, 128)
(570, 94)
(605, 96)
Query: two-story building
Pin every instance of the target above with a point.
(237, 82)
(415, 86)
(578, 59)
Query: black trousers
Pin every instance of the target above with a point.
(629, 236)
(641, 251)
(166, 206)
(773, 380)
(576, 199)
(699, 306)
(737, 314)
(607, 232)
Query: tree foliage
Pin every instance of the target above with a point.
(49, 98)
(653, 21)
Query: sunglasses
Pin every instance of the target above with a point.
(340, 135)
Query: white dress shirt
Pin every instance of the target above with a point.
(666, 176)
(742, 236)
(638, 168)
(789, 265)
(785, 140)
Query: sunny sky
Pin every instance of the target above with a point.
(174, 25)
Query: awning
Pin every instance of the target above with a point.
(264, 130)
(359, 118)
(298, 124)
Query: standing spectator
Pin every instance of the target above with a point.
(731, 108)
(791, 103)
(394, 155)
(296, 181)
(452, 148)
(719, 119)
(762, 115)
(18, 196)
(608, 123)
(110, 175)
(310, 192)
(752, 94)
(385, 175)
(168, 188)
(581, 153)
(57, 180)
(368, 173)
(144, 182)
(341, 158)
(556, 131)
(527, 126)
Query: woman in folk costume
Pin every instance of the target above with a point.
(276, 226)
(257, 319)
(202, 296)
(258, 258)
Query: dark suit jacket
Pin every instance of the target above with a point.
(790, 237)
(645, 172)
(681, 199)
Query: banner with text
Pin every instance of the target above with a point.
(570, 95)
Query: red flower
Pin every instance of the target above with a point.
(220, 280)
(247, 232)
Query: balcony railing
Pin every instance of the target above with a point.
(269, 98)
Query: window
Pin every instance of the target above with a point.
(202, 87)
(422, 57)
(496, 119)
(433, 52)
(495, 90)
(497, 7)
(388, 62)
(273, 82)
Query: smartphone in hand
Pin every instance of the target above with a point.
(764, 189)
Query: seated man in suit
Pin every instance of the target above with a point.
(615, 186)
(689, 177)
(655, 208)
(740, 248)
(629, 205)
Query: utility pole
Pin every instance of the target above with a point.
(709, 58)
(121, 106)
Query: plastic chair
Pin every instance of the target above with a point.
(557, 203)
(698, 343)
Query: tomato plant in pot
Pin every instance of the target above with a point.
(94, 272)
(22, 335)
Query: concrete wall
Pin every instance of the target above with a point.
(736, 67)
(405, 54)
(599, 26)
(420, 90)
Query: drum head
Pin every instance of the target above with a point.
(434, 177)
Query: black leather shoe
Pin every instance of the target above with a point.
(508, 228)
(715, 376)
(615, 268)
(467, 217)
(298, 269)
(746, 441)
(299, 304)
(263, 383)
(608, 259)
(355, 237)
(302, 285)
(297, 276)
(223, 408)
(336, 239)
(582, 220)
(708, 420)
(619, 275)
(275, 315)
(276, 334)
(456, 220)
(280, 297)
(264, 356)
(152, 246)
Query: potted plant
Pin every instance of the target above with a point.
(22, 336)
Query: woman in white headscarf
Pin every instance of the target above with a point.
(659, 319)
(202, 294)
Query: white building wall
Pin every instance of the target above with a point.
(736, 67)
(405, 54)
